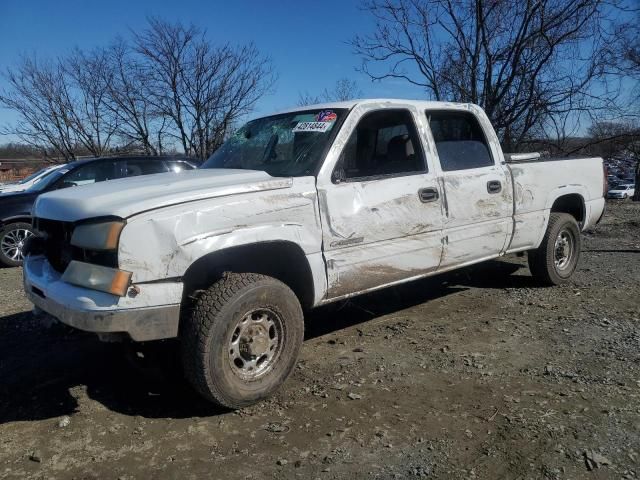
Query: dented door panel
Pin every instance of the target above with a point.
(379, 232)
(477, 223)
(176, 236)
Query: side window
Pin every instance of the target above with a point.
(385, 142)
(460, 141)
(91, 173)
(133, 168)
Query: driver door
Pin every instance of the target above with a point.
(381, 211)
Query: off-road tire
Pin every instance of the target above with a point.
(542, 261)
(4, 259)
(209, 325)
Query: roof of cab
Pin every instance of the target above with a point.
(382, 102)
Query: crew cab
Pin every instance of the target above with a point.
(297, 210)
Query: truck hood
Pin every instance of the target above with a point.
(130, 196)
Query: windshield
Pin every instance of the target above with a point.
(287, 145)
(33, 175)
(47, 179)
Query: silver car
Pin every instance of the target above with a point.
(622, 191)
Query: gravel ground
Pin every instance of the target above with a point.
(477, 374)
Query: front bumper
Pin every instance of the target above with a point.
(153, 314)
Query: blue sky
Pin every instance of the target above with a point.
(306, 40)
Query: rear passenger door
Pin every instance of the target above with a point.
(478, 201)
(381, 211)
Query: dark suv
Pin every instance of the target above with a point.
(15, 208)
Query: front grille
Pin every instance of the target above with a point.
(60, 252)
(57, 241)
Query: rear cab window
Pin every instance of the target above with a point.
(460, 140)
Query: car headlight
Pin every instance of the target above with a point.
(97, 236)
(97, 277)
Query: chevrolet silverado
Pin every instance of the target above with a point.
(297, 210)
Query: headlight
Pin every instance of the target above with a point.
(97, 236)
(97, 277)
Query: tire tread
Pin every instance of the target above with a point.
(197, 323)
(540, 263)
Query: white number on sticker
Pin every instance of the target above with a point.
(312, 127)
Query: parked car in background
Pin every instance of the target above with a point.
(622, 191)
(22, 185)
(16, 207)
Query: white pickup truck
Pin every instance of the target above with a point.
(294, 211)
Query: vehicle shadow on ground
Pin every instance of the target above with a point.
(45, 369)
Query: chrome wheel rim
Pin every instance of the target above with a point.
(12, 243)
(255, 343)
(564, 248)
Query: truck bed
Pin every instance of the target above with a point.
(538, 182)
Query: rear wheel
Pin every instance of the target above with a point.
(241, 340)
(12, 238)
(557, 257)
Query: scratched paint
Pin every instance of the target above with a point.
(539, 184)
(176, 236)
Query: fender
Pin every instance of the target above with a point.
(554, 195)
(164, 243)
(567, 190)
(25, 217)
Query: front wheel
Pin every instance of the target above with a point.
(241, 339)
(556, 258)
(12, 238)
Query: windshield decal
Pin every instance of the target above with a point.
(312, 127)
(326, 116)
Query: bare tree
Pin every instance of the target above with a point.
(170, 88)
(525, 62)
(38, 93)
(624, 61)
(344, 89)
(87, 86)
(203, 89)
(61, 105)
(140, 125)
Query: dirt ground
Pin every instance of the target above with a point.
(477, 374)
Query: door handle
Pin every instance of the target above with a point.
(428, 195)
(494, 186)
